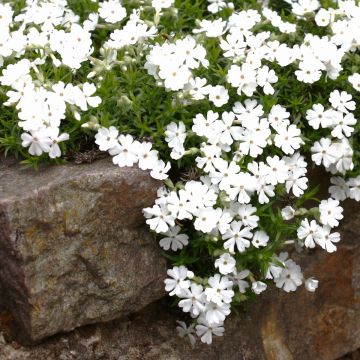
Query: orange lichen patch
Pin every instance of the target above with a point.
(273, 339)
(329, 344)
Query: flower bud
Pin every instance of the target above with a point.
(287, 213)
(311, 284)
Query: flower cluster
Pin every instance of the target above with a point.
(336, 155)
(53, 32)
(230, 107)
(127, 152)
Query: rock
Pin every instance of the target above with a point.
(74, 249)
(299, 326)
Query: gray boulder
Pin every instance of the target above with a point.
(74, 249)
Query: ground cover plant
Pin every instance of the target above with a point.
(231, 104)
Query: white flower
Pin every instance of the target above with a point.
(162, 4)
(238, 235)
(330, 212)
(217, 5)
(258, 287)
(244, 79)
(275, 267)
(308, 71)
(344, 155)
(177, 154)
(234, 45)
(193, 300)
(323, 17)
(160, 169)
(309, 232)
(175, 135)
(311, 284)
(159, 218)
(288, 138)
(260, 239)
(266, 77)
(228, 132)
(343, 125)
(339, 189)
(297, 182)
(247, 217)
(254, 139)
(225, 263)
(206, 330)
(177, 283)
(302, 7)
(55, 139)
(183, 331)
(201, 196)
(342, 101)
(219, 291)
(179, 204)
(224, 173)
(91, 22)
(277, 170)
(238, 278)
(207, 219)
(197, 88)
(215, 313)
(278, 116)
(354, 80)
(326, 239)
(213, 28)
(107, 138)
(148, 158)
(84, 98)
(112, 11)
(218, 95)
(74, 46)
(193, 53)
(354, 188)
(174, 240)
(224, 220)
(288, 213)
(206, 162)
(135, 31)
(13, 72)
(205, 126)
(324, 152)
(285, 55)
(37, 141)
(242, 188)
(175, 77)
(251, 111)
(125, 151)
(318, 116)
(290, 278)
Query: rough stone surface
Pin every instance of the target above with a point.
(73, 246)
(298, 326)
